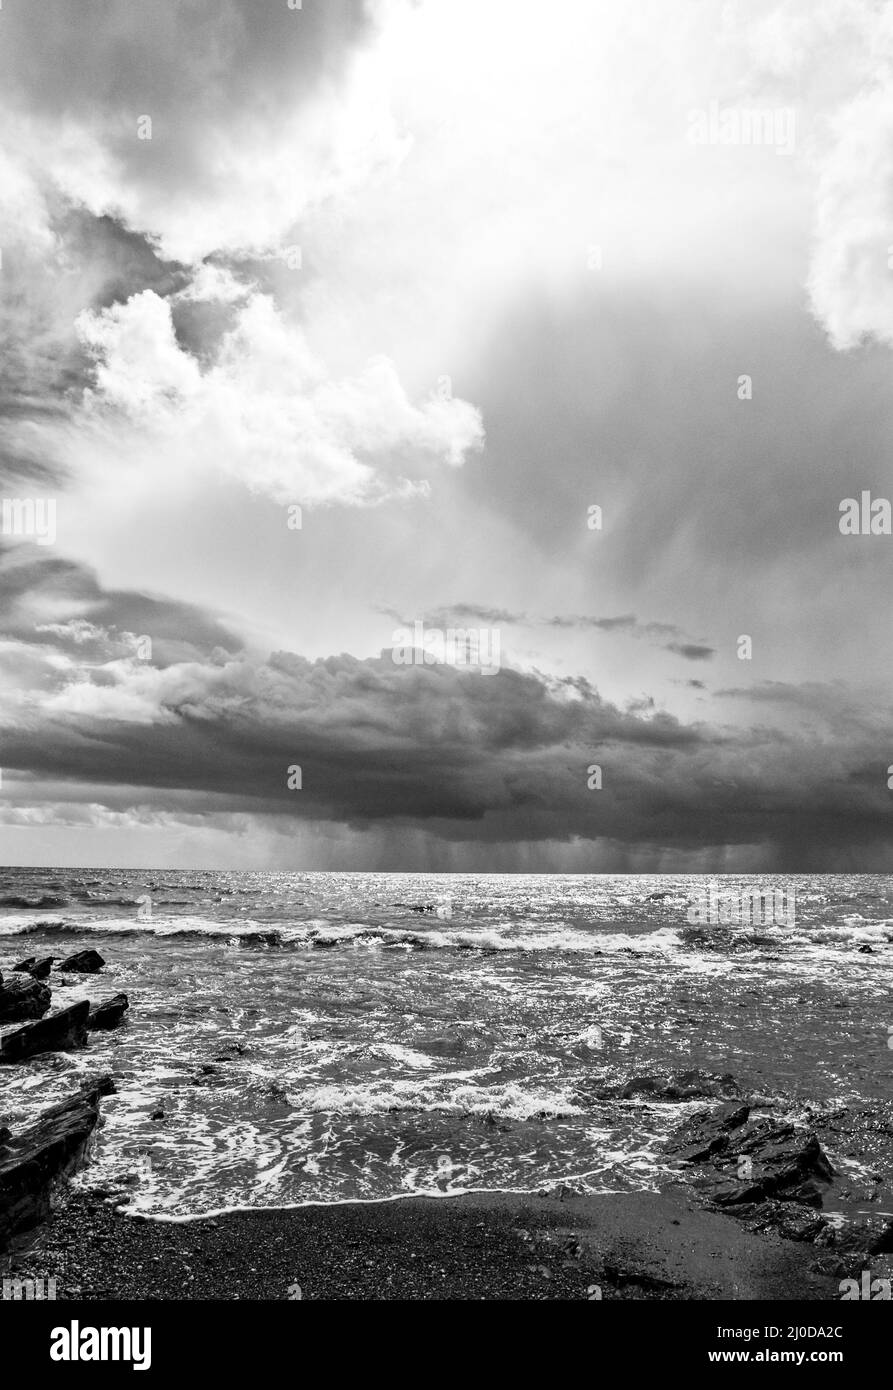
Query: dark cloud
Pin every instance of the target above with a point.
(462, 612)
(690, 650)
(463, 756)
(50, 600)
(626, 620)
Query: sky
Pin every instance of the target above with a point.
(328, 327)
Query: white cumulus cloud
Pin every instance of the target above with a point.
(265, 411)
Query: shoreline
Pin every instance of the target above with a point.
(738, 1216)
(219, 1213)
(470, 1246)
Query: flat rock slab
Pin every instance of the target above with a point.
(34, 1159)
(59, 1033)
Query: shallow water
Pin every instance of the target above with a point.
(363, 1048)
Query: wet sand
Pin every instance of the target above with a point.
(653, 1246)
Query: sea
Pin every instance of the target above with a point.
(317, 1037)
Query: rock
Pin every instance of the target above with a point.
(22, 998)
(786, 1159)
(682, 1085)
(84, 962)
(640, 1086)
(763, 1171)
(109, 1014)
(61, 1031)
(261, 938)
(800, 1225)
(808, 1193)
(708, 1133)
(724, 938)
(882, 1243)
(157, 1115)
(691, 1085)
(37, 969)
(866, 951)
(40, 1155)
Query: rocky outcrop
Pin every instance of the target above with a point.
(37, 969)
(37, 1157)
(725, 939)
(59, 1033)
(83, 962)
(109, 1014)
(21, 998)
(768, 1173)
(677, 1086)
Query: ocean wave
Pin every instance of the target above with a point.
(99, 900)
(511, 1101)
(14, 926)
(31, 904)
(707, 950)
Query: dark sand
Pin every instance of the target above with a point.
(490, 1246)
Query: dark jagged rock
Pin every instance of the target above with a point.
(60, 1032)
(882, 1243)
(40, 1155)
(22, 998)
(261, 938)
(786, 1158)
(109, 1014)
(724, 938)
(809, 1194)
(766, 1172)
(37, 969)
(793, 1224)
(83, 962)
(708, 1133)
(771, 1157)
(680, 1085)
